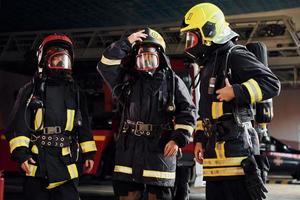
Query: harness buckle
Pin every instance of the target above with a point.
(207, 125)
(52, 130)
(137, 129)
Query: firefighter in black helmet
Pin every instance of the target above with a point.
(232, 79)
(156, 111)
(49, 132)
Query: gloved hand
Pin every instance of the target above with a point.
(254, 182)
(264, 166)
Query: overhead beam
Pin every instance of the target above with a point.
(284, 62)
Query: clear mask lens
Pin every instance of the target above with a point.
(191, 40)
(147, 59)
(60, 60)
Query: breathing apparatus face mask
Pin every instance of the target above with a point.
(57, 63)
(59, 59)
(194, 48)
(147, 59)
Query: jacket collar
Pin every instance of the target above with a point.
(222, 49)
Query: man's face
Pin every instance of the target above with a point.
(56, 60)
(147, 59)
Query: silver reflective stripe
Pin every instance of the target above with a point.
(108, 61)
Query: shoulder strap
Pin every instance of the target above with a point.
(78, 117)
(172, 82)
(227, 68)
(171, 75)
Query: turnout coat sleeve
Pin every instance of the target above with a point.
(108, 67)
(253, 82)
(185, 114)
(85, 136)
(17, 132)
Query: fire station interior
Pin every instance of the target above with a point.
(93, 25)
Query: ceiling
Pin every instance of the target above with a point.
(28, 15)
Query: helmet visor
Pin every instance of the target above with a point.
(147, 59)
(60, 60)
(191, 40)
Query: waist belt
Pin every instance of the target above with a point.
(54, 140)
(214, 127)
(52, 136)
(139, 128)
(211, 125)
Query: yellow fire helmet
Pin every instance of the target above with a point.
(209, 20)
(153, 38)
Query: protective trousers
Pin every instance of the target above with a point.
(136, 195)
(181, 189)
(227, 190)
(138, 191)
(35, 189)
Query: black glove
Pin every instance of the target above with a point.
(264, 166)
(254, 182)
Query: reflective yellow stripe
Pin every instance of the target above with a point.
(34, 149)
(3, 137)
(217, 110)
(220, 150)
(65, 151)
(189, 128)
(32, 169)
(20, 141)
(123, 169)
(263, 125)
(254, 90)
(199, 126)
(70, 119)
(88, 146)
(214, 162)
(267, 112)
(73, 171)
(257, 89)
(55, 184)
(99, 138)
(38, 120)
(159, 174)
(226, 171)
(107, 61)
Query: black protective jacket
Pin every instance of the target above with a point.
(58, 163)
(225, 128)
(143, 98)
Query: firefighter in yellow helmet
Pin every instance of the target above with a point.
(232, 79)
(151, 98)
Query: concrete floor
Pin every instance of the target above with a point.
(283, 192)
(276, 192)
(104, 192)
